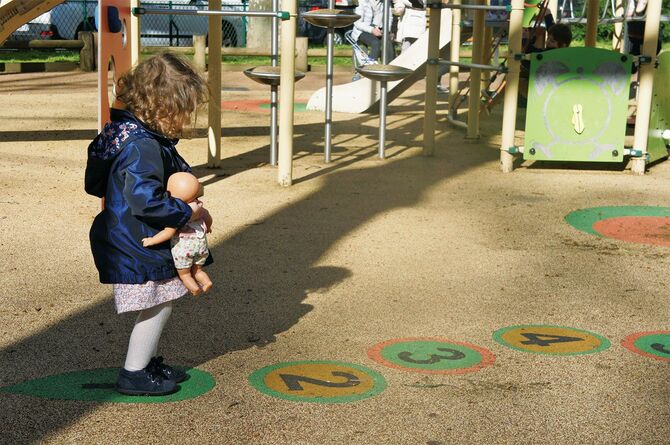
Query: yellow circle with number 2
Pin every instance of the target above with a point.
(328, 382)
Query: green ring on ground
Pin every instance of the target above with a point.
(97, 385)
(431, 355)
(584, 219)
(310, 384)
(551, 340)
(652, 344)
(298, 107)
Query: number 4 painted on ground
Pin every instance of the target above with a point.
(546, 339)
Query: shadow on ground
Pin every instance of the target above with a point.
(263, 274)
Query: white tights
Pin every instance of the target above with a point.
(143, 342)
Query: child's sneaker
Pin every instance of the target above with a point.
(370, 61)
(144, 383)
(157, 366)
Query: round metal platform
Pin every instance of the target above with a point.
(269, 75)
(330, 18)
(382, 73)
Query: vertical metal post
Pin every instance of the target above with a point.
(646, 79)
(135, 29)
(478, 35)
(273, 91)
(329, 89)
(214, 80)
(455, 51)
(592, 17)
(383, 83)
(329, 94)
(512, 87)
(286, 94)
(431, 79)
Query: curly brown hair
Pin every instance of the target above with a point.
(164, 92)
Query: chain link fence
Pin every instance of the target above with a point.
(178, 30)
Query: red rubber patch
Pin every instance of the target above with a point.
(244, 105)
(636, 229)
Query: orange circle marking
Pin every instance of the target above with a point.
(636, 229)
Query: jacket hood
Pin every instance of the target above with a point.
(123, 129)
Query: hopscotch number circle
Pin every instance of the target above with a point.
(318, 381)
(551, 340)
(652, 344)
(98, 385)
(431, 355)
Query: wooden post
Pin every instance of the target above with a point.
(301, 54)
(287, 94)
(454, 56)
(435, 17)
(476, 73)
(592, 17)
(87, 54)
(617, 37)
(553, 7)
(512, 86)
(214, 79)
(646, 79)
(199, 52)
(135, 28)
(487, 46)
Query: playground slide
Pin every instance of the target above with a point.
(15, 13)
(362, 95)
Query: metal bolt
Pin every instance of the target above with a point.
(532, 151)
(615, 153)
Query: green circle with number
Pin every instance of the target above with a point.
(318, 381)
(97, 385)
(431, 355)
(653, 344)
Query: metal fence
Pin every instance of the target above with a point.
(65, 20)
(178, 30)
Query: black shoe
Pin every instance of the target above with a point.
(157, 366)
(144, 383)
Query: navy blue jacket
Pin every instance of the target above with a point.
(129, 165)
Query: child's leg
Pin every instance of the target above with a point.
(146, 333)
(202, 277)
(189, 282)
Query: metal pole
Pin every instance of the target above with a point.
(431, 82)
(329, 90)
(284, 15)
(476, 73)
(383, 83)
(512, 86)
(592, 17)
(286, 95)
(273, 90)
(646, 79)
(454, 57)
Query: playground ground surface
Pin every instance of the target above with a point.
(357, 253)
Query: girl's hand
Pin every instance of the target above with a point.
(197, 210)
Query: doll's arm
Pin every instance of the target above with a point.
(160, 237)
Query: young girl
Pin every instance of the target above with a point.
(128, 165)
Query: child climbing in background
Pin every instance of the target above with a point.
(559, 35)
(189, 244)
(129, 164)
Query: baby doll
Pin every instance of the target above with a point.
(189, 244)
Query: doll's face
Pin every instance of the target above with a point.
(184, 186)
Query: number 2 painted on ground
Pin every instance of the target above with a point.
(293, 381)
(434, 358)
